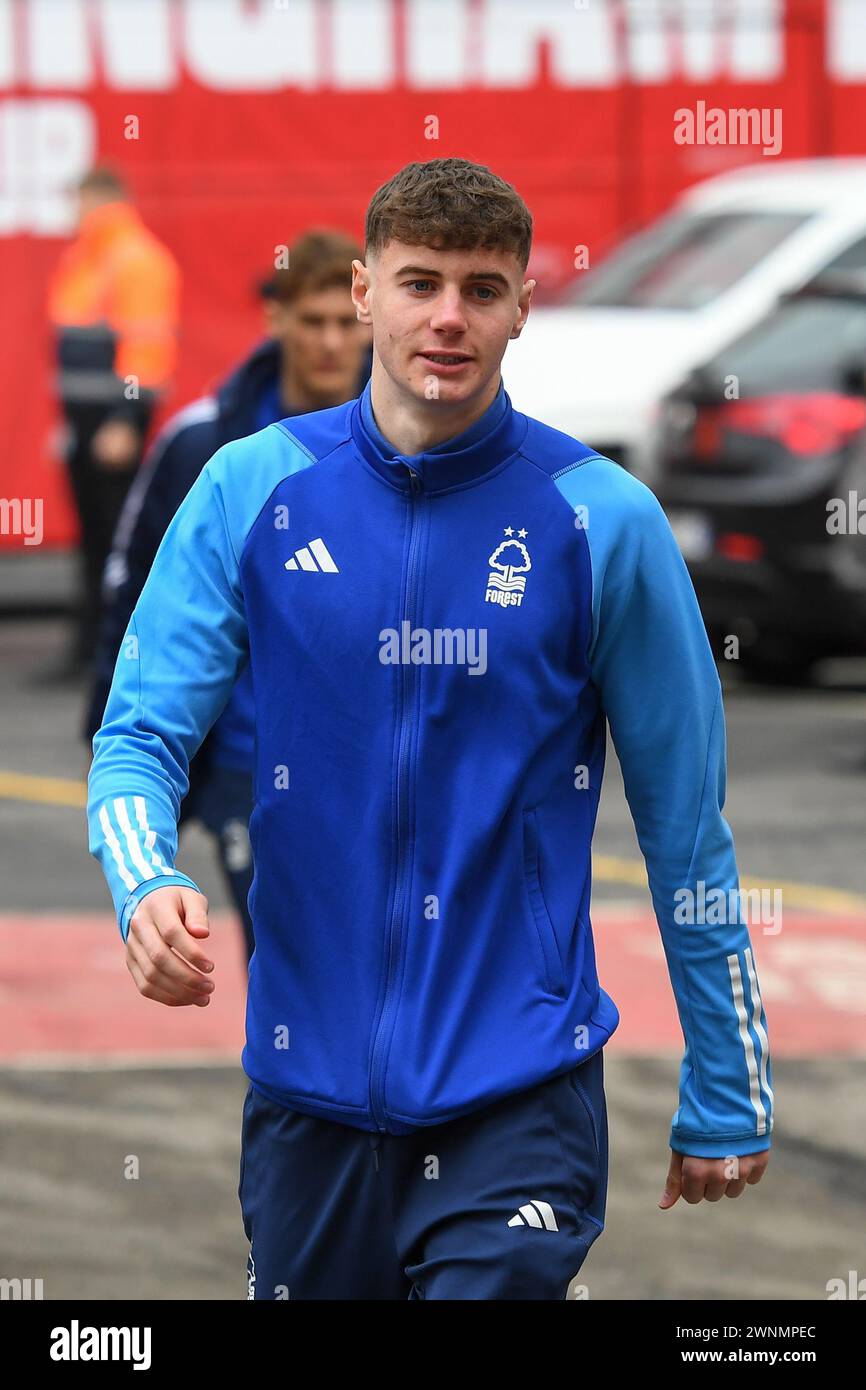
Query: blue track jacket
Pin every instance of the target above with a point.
(171, 466)
(436, 643)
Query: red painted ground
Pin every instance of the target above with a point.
(65, 989)
(812, 976)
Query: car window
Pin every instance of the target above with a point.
(805, 344)
(852, 258)
(684, 261)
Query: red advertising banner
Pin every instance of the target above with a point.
(239, 125)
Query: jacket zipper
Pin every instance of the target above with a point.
(384, 1028)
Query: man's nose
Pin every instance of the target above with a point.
(448, 313)
(334, 337)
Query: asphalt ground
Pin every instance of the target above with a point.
(92, 1076)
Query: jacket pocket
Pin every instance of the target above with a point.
(554, 973)
(580, 1090)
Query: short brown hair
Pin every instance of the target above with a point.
(104, 179)
(449, 204)
(318, 260)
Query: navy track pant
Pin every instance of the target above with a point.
(502, 1203)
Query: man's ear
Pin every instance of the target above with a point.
(523, 300)
(360, 292)
(270, 317)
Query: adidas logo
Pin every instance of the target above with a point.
(315, 556)
(535, 1213)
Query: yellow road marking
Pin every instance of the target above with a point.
(50, 791)
(606, 868)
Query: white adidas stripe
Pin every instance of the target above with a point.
(757, 1024)
(537, 1214)
(132, 844)
(149, 835)
(308, 555)
(748, 1045)
(114, 845)
(323, 555)
(135, 856)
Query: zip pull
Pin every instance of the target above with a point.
(414, 480)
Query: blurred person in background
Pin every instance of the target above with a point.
(317, 355)
(114, 305)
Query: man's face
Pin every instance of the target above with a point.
(324, 341)
(441, 319)
(90, 198)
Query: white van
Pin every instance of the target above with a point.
(597, 363)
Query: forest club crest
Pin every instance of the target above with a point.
(509, 565)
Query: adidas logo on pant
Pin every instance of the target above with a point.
(535, 1213)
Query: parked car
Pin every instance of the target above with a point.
(627, 331)
(757, 456)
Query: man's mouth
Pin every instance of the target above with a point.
(446, 359)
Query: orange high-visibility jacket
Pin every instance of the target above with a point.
(119, 283)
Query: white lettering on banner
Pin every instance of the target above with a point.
(231, 45)
(846, 40)
(442, 44)
(44, 146)
(362, 44)
(581, 43)
(57, 44)
(7, 45)
(701, 39)
(237, 47)
(137, 45)
(68, 46)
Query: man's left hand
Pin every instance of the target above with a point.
(710, 1179)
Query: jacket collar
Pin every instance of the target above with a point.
(465, 458)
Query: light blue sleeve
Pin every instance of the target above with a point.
(184, 647)
(652, 664)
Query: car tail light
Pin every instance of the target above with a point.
(707, 432)
(816, 422)
(736, 545)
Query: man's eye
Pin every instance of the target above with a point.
(415, 283)
(486, 289)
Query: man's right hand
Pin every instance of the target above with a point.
(163, 954)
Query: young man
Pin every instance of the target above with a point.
(317, 355)
(441, 601)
